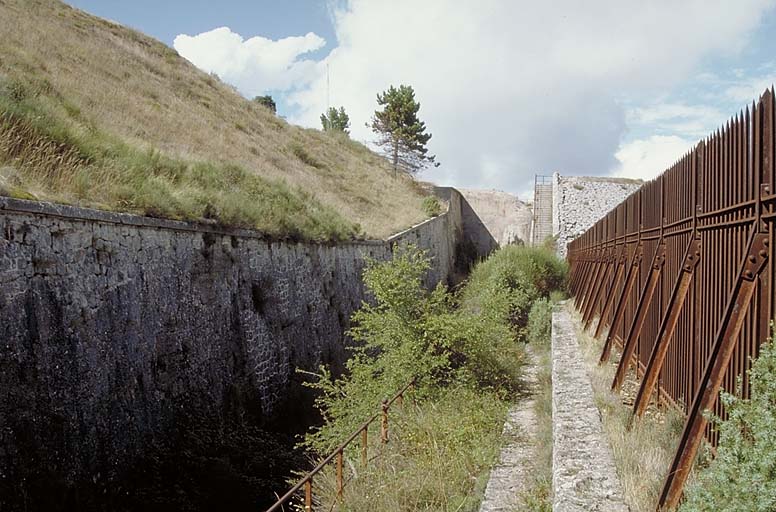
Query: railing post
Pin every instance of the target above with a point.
(339, 475)
(308, 495)
(364, 439)
(384, 423)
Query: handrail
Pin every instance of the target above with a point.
(307, 480)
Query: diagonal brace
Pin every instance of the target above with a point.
(622, 301)
(641, 314)
(692, 256)
(754, 262)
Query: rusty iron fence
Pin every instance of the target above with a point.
(305, 485)
(680, 277)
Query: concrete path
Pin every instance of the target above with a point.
(583, 472)
(510, 476)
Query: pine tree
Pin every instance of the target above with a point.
(401, 134)
(336, 120)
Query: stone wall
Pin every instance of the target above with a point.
(506, 218)
(113, 326)
(579, 202)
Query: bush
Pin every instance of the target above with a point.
(540, 322)
(507, 284)
(462, 349)
(742, 477)
(410, 332)
(432, 206)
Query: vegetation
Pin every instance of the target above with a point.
(432, 206)
(336, 121)
(401, 134)
(267, 102)
(742, 476)
(642, 454)
(464, 350)
(50, 154)
(112, 106)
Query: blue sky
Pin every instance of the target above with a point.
(508, 88)
(166, 19)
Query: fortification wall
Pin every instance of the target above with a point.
(580, 201)
(506, 218)
(114, 326)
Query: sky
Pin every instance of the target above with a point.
(509, 89)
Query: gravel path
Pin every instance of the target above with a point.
(509, 477)
(584, 476)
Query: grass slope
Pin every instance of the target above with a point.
(95, 114)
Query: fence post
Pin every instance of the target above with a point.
(384, 423)
(340, 484)
(364, 439)
(308, 495)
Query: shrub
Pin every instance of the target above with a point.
(410, 332)
(742, 477)
(463, 350)
(540, 322)
(432, 206)
(507, 284)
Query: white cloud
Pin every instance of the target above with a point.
(510, 89)
(646, 158)
(256, 65)
(670, 117)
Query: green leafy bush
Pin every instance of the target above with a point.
(431, 206)
(462, 348)
(540, 322)
(742, 477)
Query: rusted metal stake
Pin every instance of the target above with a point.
(641, 314)
(622, 302)
(340, 484)
(667, 326)
(364, 440)
(719, 359)
(308, 495)
(384, 423)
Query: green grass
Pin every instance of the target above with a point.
(466, 350)
(438, 457)
(47, 152)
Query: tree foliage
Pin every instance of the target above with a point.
(401, 134)
(267, 102)
(334, 120)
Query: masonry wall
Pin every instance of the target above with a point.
(113, 326)
(580, 201)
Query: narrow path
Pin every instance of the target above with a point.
(510, 476)
(584, 475)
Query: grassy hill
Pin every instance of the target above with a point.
(95, 114)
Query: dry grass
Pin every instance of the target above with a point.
(643, 454)
(99, 81)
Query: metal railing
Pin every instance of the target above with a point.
(681, 274)
(338, 454)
